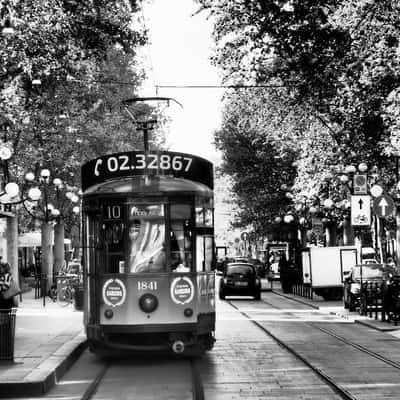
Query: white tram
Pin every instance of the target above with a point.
(148, 245)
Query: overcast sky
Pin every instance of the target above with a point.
(178, 54)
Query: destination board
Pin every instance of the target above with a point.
(135, 163)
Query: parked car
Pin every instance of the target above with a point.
(372, 272)
(240, 279)
(73, 270)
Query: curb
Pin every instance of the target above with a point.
(39, 385)
(370, 324)
(366, 322)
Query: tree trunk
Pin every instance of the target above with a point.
(12, 247)
(398, 239)
(59, 252)
(303, 237)
(348, 233)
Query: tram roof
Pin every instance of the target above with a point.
(149, 185)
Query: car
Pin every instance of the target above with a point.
(73, 270)
(372, 272)
(369, 261)
(259, 266)
(240, 279)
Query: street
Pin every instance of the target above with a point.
(274, 348)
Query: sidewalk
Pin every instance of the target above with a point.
(48, 339)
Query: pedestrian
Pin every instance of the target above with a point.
(6, 282)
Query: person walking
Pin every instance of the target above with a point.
(5, 283)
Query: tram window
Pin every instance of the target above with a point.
(114, 243)
(208, 217)
(204, 250)
(208, 252)
(180, 237)
(199, 216)
(91, 227)
(204, 212)
(145, 250)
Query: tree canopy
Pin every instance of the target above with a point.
(65, 67)
(337, 63)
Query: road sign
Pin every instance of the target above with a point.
(361, 210)
(383, 206)
(360, 185)
(244, 236)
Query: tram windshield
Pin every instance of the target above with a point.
(135, 238)
(146, 250)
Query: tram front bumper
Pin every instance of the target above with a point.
(156, 337)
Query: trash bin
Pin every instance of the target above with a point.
(7, 333)
(78, 297)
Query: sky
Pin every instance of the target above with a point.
(178, 54)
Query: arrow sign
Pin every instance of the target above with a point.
(361, 210)
(383, 206)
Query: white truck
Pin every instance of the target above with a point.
(324, 269)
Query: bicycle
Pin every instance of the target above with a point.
(63, 291)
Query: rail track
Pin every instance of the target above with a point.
(360, 354)
(151, 379)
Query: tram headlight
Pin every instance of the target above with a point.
(188, 312)
(108, 313)
(148, 302)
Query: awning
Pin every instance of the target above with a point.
(34, 239)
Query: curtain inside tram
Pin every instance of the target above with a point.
(146, 239)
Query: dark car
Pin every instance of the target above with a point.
(240, 279)
(258, 265)
(376, 273)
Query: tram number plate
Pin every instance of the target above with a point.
(147, 285)
(241, 283)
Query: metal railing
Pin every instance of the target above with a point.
(303, 290)
(381, 300)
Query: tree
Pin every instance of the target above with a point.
(59, 69)
(338, 62)
(61, 64)
(258, 163)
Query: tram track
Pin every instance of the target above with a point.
(195, 386)
(346, 341)
(312, 359)
(342, 392)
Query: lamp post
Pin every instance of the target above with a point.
(44, 191)
(9, 191)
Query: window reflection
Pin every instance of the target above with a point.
(146, 246)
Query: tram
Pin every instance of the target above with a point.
(148, 252)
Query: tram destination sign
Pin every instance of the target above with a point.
(135, 163)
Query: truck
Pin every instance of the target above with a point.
(325, 268)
